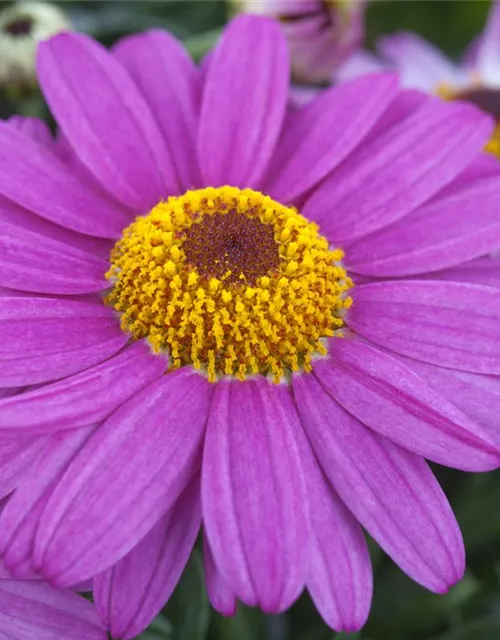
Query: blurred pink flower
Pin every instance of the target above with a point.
(321, 34)
(421, 65)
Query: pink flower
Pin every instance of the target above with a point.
(423, 66)
(321, 35)
(156, 410)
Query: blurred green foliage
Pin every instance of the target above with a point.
(401, 609)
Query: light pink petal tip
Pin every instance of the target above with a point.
(243, 103)
(220, 595)
(253, 494)
(134, 466)
(106, 120)
(31, 610)
(171, 83)
(34, 128)
(130, 594)
(451, 324)
(390, 491)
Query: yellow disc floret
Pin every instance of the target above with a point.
(230, 282)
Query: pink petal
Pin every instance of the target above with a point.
(34, 128)
(399, 170)
(132, 469)
(20, 517)
(16, 457)
(130, 594)
(33, 262)
(323, 133)
(31, 610)
(485, 271)
(438, 235)
(253, 494)
(83, 398)
(171, 83)
(340, 574)
(106, 120)
(447, 323)
(243, 103)
(385, 395)
(44, 339)
(392, 492)
(54, 191)
(220, 595)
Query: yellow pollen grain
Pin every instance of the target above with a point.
(227, 326)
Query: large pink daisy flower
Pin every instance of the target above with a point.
(195, 352)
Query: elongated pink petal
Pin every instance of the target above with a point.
(447, 323)
(16, 457)
(83, 398)
(54, 191)
(441, 234)
(387, 396)
(130, 594)
(13, 214)
(340, 577)
(483, 271)
(134, 466)
(243, 102)
(33, 262)
(171, 84)
(392, 492)
(477, 396)
(19, 518)
(322, 134)
(31, 610)
(106, 120)
(220, 595)
(253, 494)
(399, 170)
(44, 339)
(34, 128)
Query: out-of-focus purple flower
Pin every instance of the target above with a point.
(235, 377)
(321, 34)
(423, 66)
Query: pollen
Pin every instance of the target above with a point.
(230, 282)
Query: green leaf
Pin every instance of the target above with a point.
(246, 624)
(159, 629)
(188, 609)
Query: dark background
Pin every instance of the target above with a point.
(401, 609)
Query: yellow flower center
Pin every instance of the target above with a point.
(230, 282)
